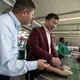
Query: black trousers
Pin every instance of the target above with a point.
(3, 77)
(33, 74)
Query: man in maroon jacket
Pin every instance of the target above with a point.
(40, 43)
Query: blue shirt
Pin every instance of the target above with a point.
(9, 63)
(67, 50)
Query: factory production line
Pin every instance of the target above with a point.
(72, 63)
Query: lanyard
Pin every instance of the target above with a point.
(12, 19)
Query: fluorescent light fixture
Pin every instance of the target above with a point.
(67, 19)
(60, 32)
(66, 32)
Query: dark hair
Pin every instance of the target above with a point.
(61, 39)
(23, 4)
(66, 42)
(52, 15)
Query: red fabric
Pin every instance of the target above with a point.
(79, 49)
(38, 45)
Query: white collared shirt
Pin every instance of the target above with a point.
(48, 38)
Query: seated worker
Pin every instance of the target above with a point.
(40, 43)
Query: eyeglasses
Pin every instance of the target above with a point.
(52, 23)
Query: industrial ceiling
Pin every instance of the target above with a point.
(68, 11)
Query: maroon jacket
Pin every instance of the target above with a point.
(38, 45)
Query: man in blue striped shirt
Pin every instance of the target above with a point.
(10, 23)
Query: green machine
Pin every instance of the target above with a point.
(75, 68)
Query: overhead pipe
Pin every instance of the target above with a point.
(72, 12)
(37, 22)
(26, 28)
(14, 1)
(7, 2)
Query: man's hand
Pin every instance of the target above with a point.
(42, 64)
(55, 62)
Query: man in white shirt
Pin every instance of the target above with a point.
(10, 23)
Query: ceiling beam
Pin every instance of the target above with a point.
(71, 12)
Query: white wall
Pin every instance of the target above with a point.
(57, 6)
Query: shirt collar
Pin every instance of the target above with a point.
(46, 29)
(16, 21)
